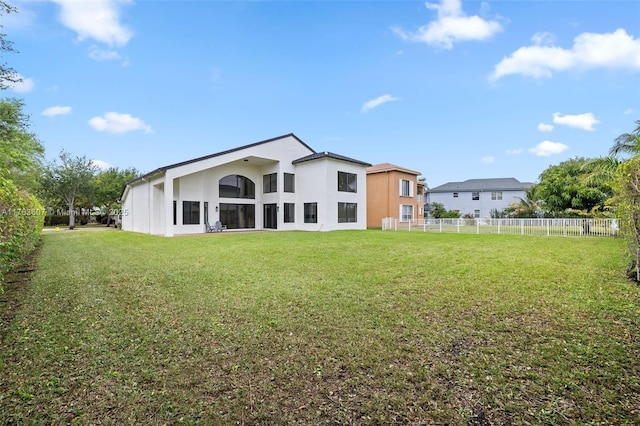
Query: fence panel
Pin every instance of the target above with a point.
(544, 227)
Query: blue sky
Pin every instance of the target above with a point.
(455, 90)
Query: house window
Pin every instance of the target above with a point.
(496, 195)
(270, 183)
(347, 182)
(347, 212)
(406, 213)
(238, 216)
(310, 212)
(475, 196)
(455, 195)
(406, 188)
(191, 212)
(476, 213)
(236, 186)
(289, 212)
(175, 212)
(289, 182)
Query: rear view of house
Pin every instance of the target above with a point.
(279, 183)
(478, 197)
(393, 191)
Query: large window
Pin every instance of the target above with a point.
(310, 212)
(347, 212)
(289, 212)
(191, 212)
(407, 213)
(347, 182)
(289, 182)
(238, 216)
(496, 195)
(270, 183)
(475, 196)
(236, 186)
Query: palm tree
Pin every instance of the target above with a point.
(627, 143)
(600, 171)
(528, 206)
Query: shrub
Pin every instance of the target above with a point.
(21, 220)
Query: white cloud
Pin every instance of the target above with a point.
(514, 151)
(115, 122)
(23, 86)
(102, 165)
(589, 50)
(629, 111)
(543, 38)
(548, 148)
(581, 121)
(373, 103)
(96, 19)
(452, 26)
(545, 127)
(488, 160)
(98, 54)
(56, 110)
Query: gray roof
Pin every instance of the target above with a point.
(327, 154)
(495, 184)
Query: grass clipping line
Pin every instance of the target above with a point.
(364, 327)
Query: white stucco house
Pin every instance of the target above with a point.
(279, 183)
(478, 197)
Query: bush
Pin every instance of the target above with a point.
(56, 220)
(21, 220)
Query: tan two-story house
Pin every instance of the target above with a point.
(393, 191)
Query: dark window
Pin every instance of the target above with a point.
(289, 182)
(289, 212)
(310, 212)
(347, 212)
(347, 182)
(236, 186)
(175, 212)
(475, 196)
(405, 188)
(191, 212)
(270, 183)
(238, 216)
(455, 195)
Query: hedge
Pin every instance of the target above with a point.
(21, 221)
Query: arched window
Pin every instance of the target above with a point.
(236, 186)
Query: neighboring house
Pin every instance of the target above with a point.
(279, 183)
(393, 191)
(478, 197)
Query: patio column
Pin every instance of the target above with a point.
(168, 205)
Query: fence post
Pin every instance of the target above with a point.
(477, 226)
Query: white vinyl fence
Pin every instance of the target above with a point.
(548, 227)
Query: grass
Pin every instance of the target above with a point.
(365, 327)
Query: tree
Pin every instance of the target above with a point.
(528, 206)
(627, 143)
(20, 150)
(69, 181)
(437, 210)
(7, 74)
(627, 199)
(109, 185)
(562, 188)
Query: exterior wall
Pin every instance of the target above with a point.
(384, 199)
(150, 204)
(465, 205)
(318, 183)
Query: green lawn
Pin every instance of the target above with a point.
(363, 327)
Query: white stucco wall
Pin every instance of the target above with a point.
(151, 207)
